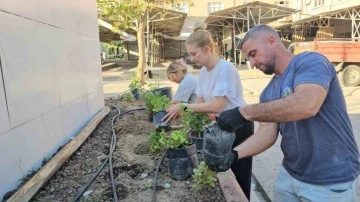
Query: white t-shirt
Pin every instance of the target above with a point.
(223, 80)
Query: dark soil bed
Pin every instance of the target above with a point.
(133, 165)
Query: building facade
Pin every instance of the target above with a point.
(50, 80)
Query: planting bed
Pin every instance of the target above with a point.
(133, 165)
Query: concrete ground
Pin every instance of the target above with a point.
(265, 165)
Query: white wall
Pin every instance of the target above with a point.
(309, 8)
(50, 80)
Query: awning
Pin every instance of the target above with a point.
(326, 19)
(351, 13)
(243, 17)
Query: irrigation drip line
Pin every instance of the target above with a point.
(84, 188)
(112, 148)
(155, 178)
(109, 159)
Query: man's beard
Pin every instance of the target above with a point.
(269, 70)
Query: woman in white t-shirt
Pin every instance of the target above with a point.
(219, 88)
(177, 72)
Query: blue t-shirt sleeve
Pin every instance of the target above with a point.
(314, 68)
(186, 88)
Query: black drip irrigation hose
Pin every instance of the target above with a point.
(155, 178)
(109, 159)
(111, 151)
(84, 188)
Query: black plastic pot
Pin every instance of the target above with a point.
(198, 139)
(167, 91)
(192, 151)
(217, 146)
(135, 93)
(180, 165)
(159, 125)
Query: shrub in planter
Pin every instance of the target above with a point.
(156, 105)
(160, 104)
(167, 91)
(135, 87)
(154, 102)
(148, 96)
(157, 141)
(128, 97)
(196, 122)
(181, 154)
(203, 176)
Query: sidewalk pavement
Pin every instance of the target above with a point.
(266, 164)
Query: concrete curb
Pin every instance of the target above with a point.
(230, 187)
(108, 65)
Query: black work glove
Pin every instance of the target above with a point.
(231, 120)
(232, 157)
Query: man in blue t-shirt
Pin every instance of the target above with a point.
(305, 104)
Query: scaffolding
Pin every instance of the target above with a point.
(240, 19)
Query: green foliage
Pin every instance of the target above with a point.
(154, 102)
(160, 141)
(147, 97)
(177, 139)
(135, 83)
(157, 141)
(128, 97)
(203, 176)
(153, 85)
(160, 103)
(126, 12)
(113, 45)
(194, 120)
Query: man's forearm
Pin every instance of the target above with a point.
(304, 103)
(275, 111)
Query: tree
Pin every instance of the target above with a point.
(133, 14)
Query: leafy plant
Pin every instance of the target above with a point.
(160, 141)
(148, 96)
(177, 138)
(157, 141)
(135, 83)
(128, 97)
(153, 85)
(203, 176)
(194, 120)
(160, 103)
(155, 102)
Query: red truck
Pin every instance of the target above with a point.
(343, 53)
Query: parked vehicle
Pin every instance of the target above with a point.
(343, 53)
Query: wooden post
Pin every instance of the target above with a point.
(30, 188)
